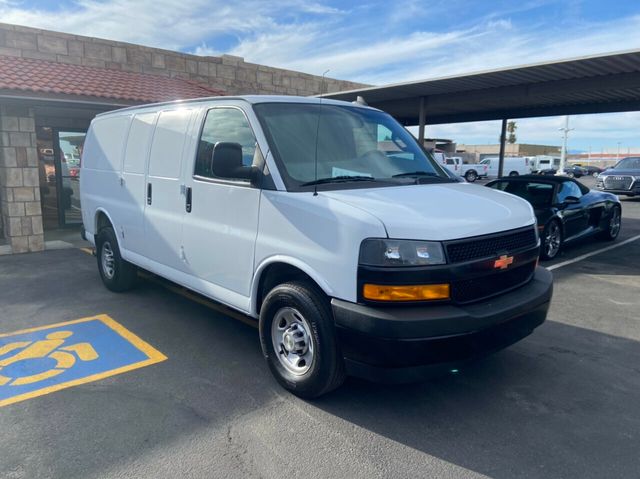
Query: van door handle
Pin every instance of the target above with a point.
(188, 202)
(149, 198)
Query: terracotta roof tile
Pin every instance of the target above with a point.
(25, 74)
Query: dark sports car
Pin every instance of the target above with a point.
(566, 209)
(572, 171)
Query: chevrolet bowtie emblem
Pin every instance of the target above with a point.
(503, 262)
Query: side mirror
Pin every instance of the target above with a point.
(570, 200)
(226, 162)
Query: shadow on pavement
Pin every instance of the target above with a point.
(563, 403)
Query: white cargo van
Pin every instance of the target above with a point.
(325, 222)
(513, 166)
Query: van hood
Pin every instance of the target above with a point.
(439, 212)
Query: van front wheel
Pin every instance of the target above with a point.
(117, 274)
(298, 340)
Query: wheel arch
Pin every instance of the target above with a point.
(280, 269)
(101, 220)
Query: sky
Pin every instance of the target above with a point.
(376, 42)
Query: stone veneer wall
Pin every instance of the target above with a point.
(19, 182)
(229, 73)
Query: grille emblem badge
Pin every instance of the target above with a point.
(503, 262)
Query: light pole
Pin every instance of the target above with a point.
(618, 153)
(563, 155)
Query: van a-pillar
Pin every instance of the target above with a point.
(503, 140)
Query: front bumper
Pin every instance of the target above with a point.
(632, 192)
(397, 344)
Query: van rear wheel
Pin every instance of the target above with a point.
(117, 274)
(298, 340)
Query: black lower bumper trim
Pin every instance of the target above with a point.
(397, 343)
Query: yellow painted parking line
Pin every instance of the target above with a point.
(45, 359)
(87, 250)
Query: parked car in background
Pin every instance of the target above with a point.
(572, 171)
(566, 209)
(544, 162)
(622, 179)
(513, 166)
(470, 172)
(591, 169)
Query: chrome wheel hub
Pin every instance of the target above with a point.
(108, 261)
(292, 341)
(614, 224)
(552, 240)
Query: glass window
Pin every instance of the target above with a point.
(631, 163)
(568, 188)
(538, 194)
(228, 125)
(347, 142)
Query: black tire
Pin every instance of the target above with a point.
(326, 371)
(612, 231)
(514, 173)
(471, 176)
(120, 275)
(571, 174)
(547, 253)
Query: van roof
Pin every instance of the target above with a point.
(253, 99)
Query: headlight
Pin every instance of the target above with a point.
(389, 252)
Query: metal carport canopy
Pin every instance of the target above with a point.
(594, 84)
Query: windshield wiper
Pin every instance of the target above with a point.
(338, 179)
(416, 173)
(418, 176)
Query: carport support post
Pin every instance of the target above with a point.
(503, 140)
(422, 118)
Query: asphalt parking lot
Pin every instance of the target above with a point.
(565, 402)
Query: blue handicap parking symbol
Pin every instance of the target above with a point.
(41, 360)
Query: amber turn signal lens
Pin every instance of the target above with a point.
(418, 292)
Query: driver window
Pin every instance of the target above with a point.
(568, 188)
(225, 125)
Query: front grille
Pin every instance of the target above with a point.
(492, 245)
(618, 182)
(468, 290)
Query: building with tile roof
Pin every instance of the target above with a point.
(52, 84)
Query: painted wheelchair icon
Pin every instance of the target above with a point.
(33, 355)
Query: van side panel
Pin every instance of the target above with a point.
(133, 181)
(101, 166)
(163, 214)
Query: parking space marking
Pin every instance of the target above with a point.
(593, 253)
(45, 359)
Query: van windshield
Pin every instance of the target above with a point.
(355, 146)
